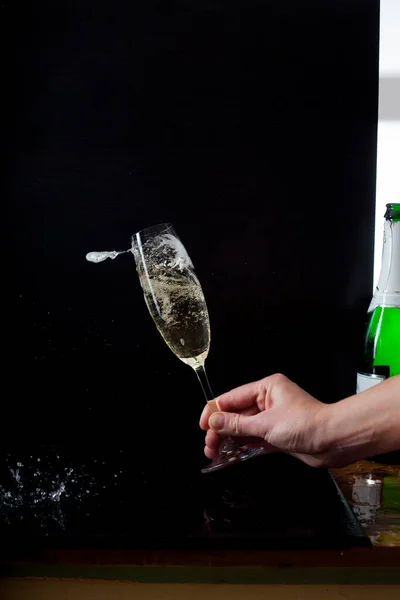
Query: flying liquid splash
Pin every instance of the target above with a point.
(96, 257)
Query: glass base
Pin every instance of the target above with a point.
(228, 459)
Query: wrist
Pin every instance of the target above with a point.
(314, 439)
(362, 425)
(346, 435)
(327, 435)
(322, 434)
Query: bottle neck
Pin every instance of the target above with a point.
(387, 292)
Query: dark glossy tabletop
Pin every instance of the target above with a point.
(275, 515)
(122, 502)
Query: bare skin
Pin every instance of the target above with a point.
(284, 418)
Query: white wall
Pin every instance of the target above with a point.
(388, 164)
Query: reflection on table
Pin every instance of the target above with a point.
(373, 491)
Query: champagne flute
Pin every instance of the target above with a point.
(175, 300)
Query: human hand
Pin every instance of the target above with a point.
(274, 412)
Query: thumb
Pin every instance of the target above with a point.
(236, 425)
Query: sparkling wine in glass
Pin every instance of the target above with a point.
(175, 300)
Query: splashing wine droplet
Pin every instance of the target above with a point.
(96, 257)
(36, 495)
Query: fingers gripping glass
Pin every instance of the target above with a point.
(176, 302)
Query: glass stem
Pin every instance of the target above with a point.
(205, 384)
(228, 444)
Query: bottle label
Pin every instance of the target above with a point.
(366, 381)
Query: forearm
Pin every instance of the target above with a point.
(362, 425)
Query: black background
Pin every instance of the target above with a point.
(250, 125)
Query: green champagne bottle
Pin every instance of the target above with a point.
(381, 357)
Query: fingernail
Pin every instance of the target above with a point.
(217, 421)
